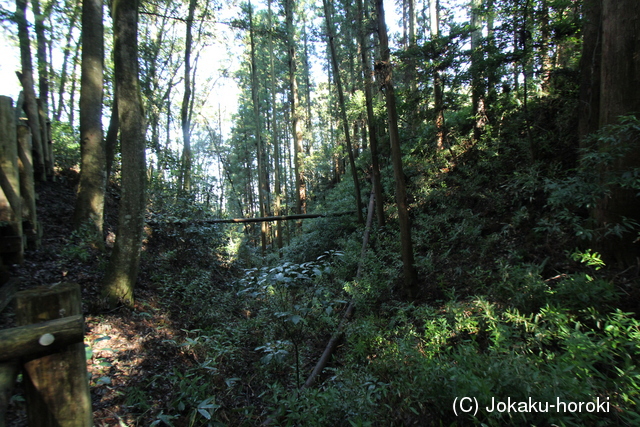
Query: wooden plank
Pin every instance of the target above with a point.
(7, 291)
(42, 338)
(56, 385)
(27, 186)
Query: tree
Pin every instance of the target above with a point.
(275, 127)
(383, 70)
(185, 112)
(343, 108)
(66, 52)
(122, 271)
(590, 63)
(438, 101)
(261, 152)
(296, 122)
(477, 63)
(26, 79)
(371, 121)
(91, 190)
(620, 95)
(43, 82)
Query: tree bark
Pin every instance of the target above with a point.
(89, 208)
(619, 95)
(122, 271)
(383, 69)
(590, 65)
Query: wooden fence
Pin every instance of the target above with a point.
(18, 220)
(47, 345)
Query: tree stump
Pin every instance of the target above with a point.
(57, 389)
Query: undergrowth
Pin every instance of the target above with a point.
(516, 306)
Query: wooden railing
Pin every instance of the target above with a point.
(18, 220)
(48, 347)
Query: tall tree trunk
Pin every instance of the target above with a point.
(187, 161)
(262, 187)
(527, 74)
(298, 161)
(122, 271)
(438, 101)
(477, 66)
(65, 61)
(383, 69)
(72, 92)
(590, 68)
(275, 133)
(545, 34)
(412, 23)
(343, 108)
(43, 85)
(367, 72)
(491, 70)
(620, 89)
(307, 78)
(26, 79)
(90, 198)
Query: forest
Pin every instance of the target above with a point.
(335, 213)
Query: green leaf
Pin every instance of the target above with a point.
(204, 413)
(88, 352)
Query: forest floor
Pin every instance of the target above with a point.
(510, 312)
(126, 346)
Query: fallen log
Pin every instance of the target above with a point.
(335, 338)
(257, 219)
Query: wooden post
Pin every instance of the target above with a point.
(27, 187)
(57, 389)
(10, 201)
(8, 374)
(8, 370)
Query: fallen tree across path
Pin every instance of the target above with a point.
(257, 219)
